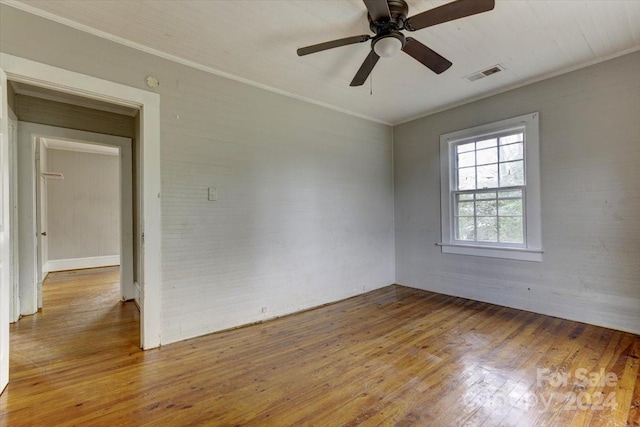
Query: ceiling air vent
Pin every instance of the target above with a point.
(482, 74)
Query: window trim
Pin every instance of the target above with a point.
(532, 248)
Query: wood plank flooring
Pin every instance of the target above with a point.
(393, 357)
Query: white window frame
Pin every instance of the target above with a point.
(531, 250)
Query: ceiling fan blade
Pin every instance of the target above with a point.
(334, 43)
(378, 9)
(448, 12)
(365, 69)
(429, 58)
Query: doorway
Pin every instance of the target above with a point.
(25, 71)
(82, 221)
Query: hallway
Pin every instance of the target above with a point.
(70, 343)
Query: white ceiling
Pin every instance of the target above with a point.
(256, 41)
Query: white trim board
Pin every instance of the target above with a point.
(80, 102)
(58, 79)
(78, 263)
(83, 147)
(5, 233)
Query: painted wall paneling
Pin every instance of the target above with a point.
(590, 199)
(304, 214)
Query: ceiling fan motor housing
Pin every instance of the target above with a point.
(398, 10)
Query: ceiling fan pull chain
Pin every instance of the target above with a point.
(371, 78)
(371, 85)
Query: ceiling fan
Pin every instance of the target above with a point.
(387, 18)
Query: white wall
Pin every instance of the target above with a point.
(83, 212)
(304, 214)
(590, 162)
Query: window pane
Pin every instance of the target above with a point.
(466, 147)
(486, 143)
(510, 207)
(465, 229)
(466, 159)
(511, 173)
(465, 208)
(488, 155)
(510, 139)
(488, 176)
(467, 178)
(511, 230)
(510, 193)
(487, 229)
(486, 195)
(511, 152)
(486, 208)
(465, 196)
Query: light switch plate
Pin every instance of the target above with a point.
(213, 194)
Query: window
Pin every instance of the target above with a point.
(491, 190)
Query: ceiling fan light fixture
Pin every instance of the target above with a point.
(389, 45)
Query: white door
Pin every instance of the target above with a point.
(41, 217)
(4, 233)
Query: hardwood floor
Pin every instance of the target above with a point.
(395, 356)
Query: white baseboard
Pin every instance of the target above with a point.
(136, 299)
(77, 263)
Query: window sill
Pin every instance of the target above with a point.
(520, 254)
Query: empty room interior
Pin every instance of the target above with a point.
(322, 213)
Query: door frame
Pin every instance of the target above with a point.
(11, 198)
(5, 232)
(32, 136)
(148, 137)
